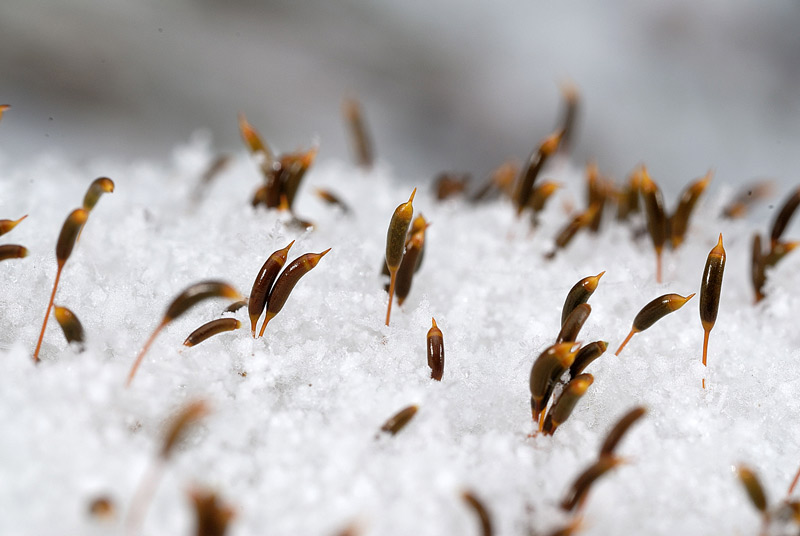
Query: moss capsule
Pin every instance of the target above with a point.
(285, 283)
(99, 186)
(541, 194)
(235, 306)
(180, 423)
(656, 217)
(7, 225)
(577, 493)
(628, 198)
(253, 142)
(12, 251)
(408, 266)
(263, 283)
(568, 232)
(596, 193)
(547, 368)
(784, 216)
(586, 355)
(447, 185)
(209, 329)
(757, 275)
(573, 324)
(740, 204)
(480, 510)
(3, 108)
(755, 492)
(435, 341)
(654, 311)
(359, 136)
(399, 420)
(619, 430)
(570, 396)
(70, 325)
(332, 199)
(396, 243)
(778, 252)
(536, 162)
(580, 293)
(211, 515)
(501, 179)
(710, 289)
(679, 222)
(571, 107)
(295, 166)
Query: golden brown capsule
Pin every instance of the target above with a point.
(757, 275)
(184, 301)
(580, 293)
(7, 225)
(332, 199)
(99, 186)
(435, 351)
(572, 527)
(656, 216)
(573, 324)
(408, 266)
(779, 251)
(480, 510)
(395, 244)
(596, 195)
(628, 197)
(185, 418)
(536, 162)
(710, 289)
(66, 241)
(70, 325)
(263, 284)
(755, 492)
(580, 488)
(738, 207)
(569, 93)
(568, 232)
(619, 430)
(541, 194)
(546, 370)
(3, 108)
(359, 136)
(398, 421)
(500, 179)
(447, 185)
(209, 329)
(586, 355)
(235, 306)
(253, 142)
(211, 515)
(679, 222)
(782, 220)
(294, 167)
(12, 251)
(654, 311)
(285, 283)
(566, 402)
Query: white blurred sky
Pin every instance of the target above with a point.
(682, 86)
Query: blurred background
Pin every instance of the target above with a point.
(683, 86)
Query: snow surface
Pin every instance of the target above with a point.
(292, 445)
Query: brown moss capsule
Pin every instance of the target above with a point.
(784, 216)
(563, 406)
(235, 306)
(99, 186)
(285, 283)
(12, 251)
(209, 329)
(396, 243)
(253, 142)
(619, 430)
(211, 515)
(710, 289)
(576, 495)
(501, 179)
(408, 266)
(654, 311)
(573, 324)
(360, 139)
(435, 351)
(586, 355)
(569, 92)
(755, 492)
(546, 370)
(536, 162)
(332, 199)
(447, 185)
(398, 421)
(480, 510)
(656, 217)
(70, 325)
(568, 232)
(102, 508)
(779, 251)
(3, 108)
(183, 420)
(295, 166)
(757, 275)
(738, 207)
(580, 293)
(66, 241)
(596, 194)
(541, 194)
(183, 302)
(628, 198)
(7, 225)
(679, 222)
(263, 283)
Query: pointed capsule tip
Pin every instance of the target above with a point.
(719, 242)
(598, 276)
(410, 199)
(689, 297)
(433, 323)
(322, 254)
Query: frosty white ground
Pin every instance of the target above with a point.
(292, 445)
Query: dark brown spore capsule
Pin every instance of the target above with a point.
(7, 225)
(360, 139)
(332, 199)
(531, 170)
(547, 368)
(99, 186)
(628, 198)
(263, 284)
(653, 312)
(573, 324)
(447, 185)
(619, 430)
(656, 217)
(480, 510)
(679, 222)
(753, 488)
(580, 488)
(710, 289)
(568, 232)
(586, 355)
(286, 282)
(211, 515)
(408, 266)
(566, 402)
(435, 341)
(396, 244)
(782, 220)
(12, 251)
(209, 329)
(235, 306)
(541, 194)
(70, 325)
(579, 293)
(757, 274)
(295, 166)
(399, 420)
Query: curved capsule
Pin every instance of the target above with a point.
(12, 251)
(585, 356)
(70, 325)
(656, 217)
(263, 283)
(398, 421)
(186, 417)
(209, 329)
(541, 194)
(480, 510)
(286, 282)
(396, 243)
(568, 232)
(435, 351)
(547, 368)
(235, 306)
(571, 107)
(580, 293)
(573, 324)
(362, 146)
(7, 225)
(782, 220)
(570, 396)
(679, 222)
(99, 186)
(653, 312)
(408, 266)
(757, 275)
(755, 492)
(332, 199)
(253, 142)
(500, 179)
(295, 166)
(531, 170)
(581, 486)
(619, 430)
(447, 185)
(710, 289)
(779, 251)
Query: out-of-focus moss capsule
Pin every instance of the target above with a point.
(295, 166)
(679, 222)
(447, 185)
(180, 423)
(263, 283)
(619, 430)
(399, 420)
(547, 368)
(571, 100)
(656, 217)
(235, 306)
(7, 225)
(359, 136)
(755, 492)
(211, 515)
(581, 486)
(563, 406)
(102, 508)
(740, 204)
(710, 289)
(500, 179)
(628, 199)
(573, 324)
(99, 186)
(782, 219)
(286, 282)
(531, 170)
(253, 142)
(66, 241)
(596, 194)
(184, 301)
(332, 199)
(757, 275)
(480, 510)
(568, 232)
(580, 293)
(3, 108)
(586, 355)
(542, 192)
(778, 252)
(12, 251)
(654, 311)
(209, 329)
(405, 274)
(70, 325)
(396, 243)
(435, 341)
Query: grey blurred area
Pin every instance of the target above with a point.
(446, 85)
